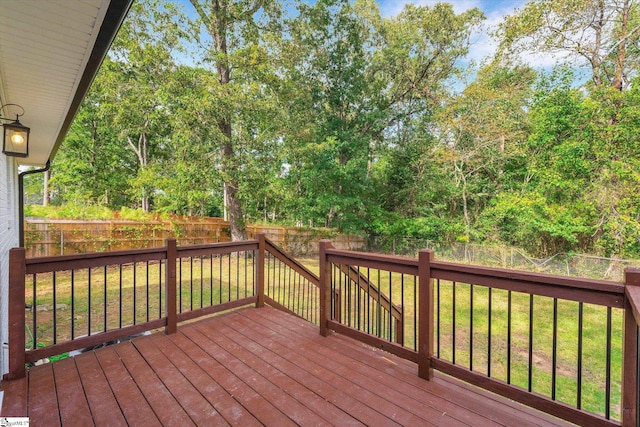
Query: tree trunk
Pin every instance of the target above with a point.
(216, 17)
(465, 204)
(45, 189)
(465, 207)
(596, 61)
(218, 30)
(142, 151)
(618, 81)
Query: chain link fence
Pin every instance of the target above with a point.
(578, 265)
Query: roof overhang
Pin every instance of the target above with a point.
(50, 52)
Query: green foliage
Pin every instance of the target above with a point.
(69, 211)
(329, 114)
(74, 211)
(542, 227)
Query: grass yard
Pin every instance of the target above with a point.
(105, 298)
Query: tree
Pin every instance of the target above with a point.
(236, 53)
(601, 34)
(482, 130)
(359, 76)
(141, 68)
(186, 181)
(92, 167)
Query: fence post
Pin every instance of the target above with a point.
(630, 354)
(325, 288)
(260, 270)
(16, 303)
(425, 315)
(171, 309)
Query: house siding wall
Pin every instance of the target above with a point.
(8, 240)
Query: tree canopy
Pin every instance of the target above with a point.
(327, 113)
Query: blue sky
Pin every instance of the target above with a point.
(494, 10)
(483, 45)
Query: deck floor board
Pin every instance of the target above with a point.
(134, 406)
(164, 404)
(366, 390)
(251, 367)
(430, 408)
(43, 400)
(295, 389)
(230, 408)
(286, 404)
(14, 401)
(447, 398)
(73, 404)
(98, 391)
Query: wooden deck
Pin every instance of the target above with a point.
(250, 367)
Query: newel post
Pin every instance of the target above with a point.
(425, 315)
(630, 353)
(260, 270)
(17, 271)
(171, 309)
(325, 288)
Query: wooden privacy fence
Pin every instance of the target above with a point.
(48, 237)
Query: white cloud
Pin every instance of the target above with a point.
(390, 8)
(483, 45)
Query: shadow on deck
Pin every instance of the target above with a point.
(251, 367)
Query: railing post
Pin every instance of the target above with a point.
(16, 303)
(630, 356)
(399, 331)
(260, 270)
(171, 309)
(325, 288)
(425, 315)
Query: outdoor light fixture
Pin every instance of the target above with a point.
(16, 136)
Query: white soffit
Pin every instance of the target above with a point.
(45, 49)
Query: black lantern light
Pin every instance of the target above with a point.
(16, 136)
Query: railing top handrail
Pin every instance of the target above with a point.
(528, 276)
(310, 275)
(187, 250)
(92, 255)
(439, 267)
(401, 264)
(99, 259)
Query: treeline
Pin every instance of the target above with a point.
(329, 114)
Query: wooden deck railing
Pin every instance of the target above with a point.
(293, 288)
(71, 302)
(566, 346)
(289, 285)
(64, 303)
